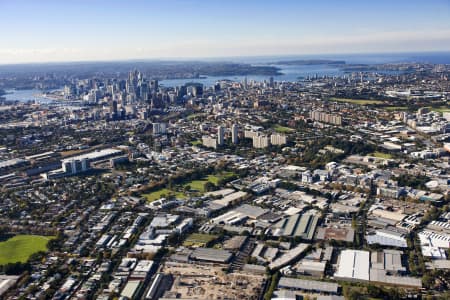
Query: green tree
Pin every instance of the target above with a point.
(209, 186)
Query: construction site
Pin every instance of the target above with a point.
(195, 281)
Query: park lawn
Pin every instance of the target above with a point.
(222, 175)
(199, 239)
(193, 116)
(282, 129)
(381, 155)
(356, 101)
(441, 109)
(20, 247)
(71, 152)
(196, 143)
(153, 196)
(392, 108)
(199, 185)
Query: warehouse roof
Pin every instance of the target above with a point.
(227, 200)
(12, 162)
(213, 255)
(235, 243)
(251, 210)
(308, 285)
(288, 256)
(131, 288)
(381, 276)
(95, 155)
(387, 238)
(390, 260)
(354, 264)
(311, 266)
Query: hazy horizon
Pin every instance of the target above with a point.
(78, 31)
(257, 59)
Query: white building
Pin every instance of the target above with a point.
(261, 141)
(209, 142)
(159, 128)
(74, 166)
(353, 265)
(278, 139)
(249, 134)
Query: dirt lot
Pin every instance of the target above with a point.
(210, 282)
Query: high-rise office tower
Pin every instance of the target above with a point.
(245, 83)
(154, 85)
(220, 135)
(234, 134)
(143, 92)
(159, 128)
(113, 109)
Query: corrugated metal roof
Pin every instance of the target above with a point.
(354, 264)
(308, 285)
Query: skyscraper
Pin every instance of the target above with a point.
(154, 85)
(220, 135)
(159, 128)
(234, 134)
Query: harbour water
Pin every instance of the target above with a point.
(25, 96)
(290, 73)
(294, 72)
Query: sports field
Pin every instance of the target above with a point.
(356, 101)
(20, 247)
(199, 185)
(282, 129)
(441, 109)
(199, 240)
(195, 185)
(381, 155)
(153, 196)
(394, 108)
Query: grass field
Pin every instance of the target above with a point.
(196, 143)
(381, 155)
(282, 129)
(199, 239)
(356, 101)
(20, 247)
(441, 109)
(197, 185)
(153, 196)
(193, 116)
(71, 152)
(392, 108)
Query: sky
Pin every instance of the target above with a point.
(90, 30)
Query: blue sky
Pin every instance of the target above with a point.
(72, 30)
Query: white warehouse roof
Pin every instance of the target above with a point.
(354, 264)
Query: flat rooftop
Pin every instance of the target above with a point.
(354, 264)
(308, 285)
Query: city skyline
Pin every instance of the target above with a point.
(55, 31)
